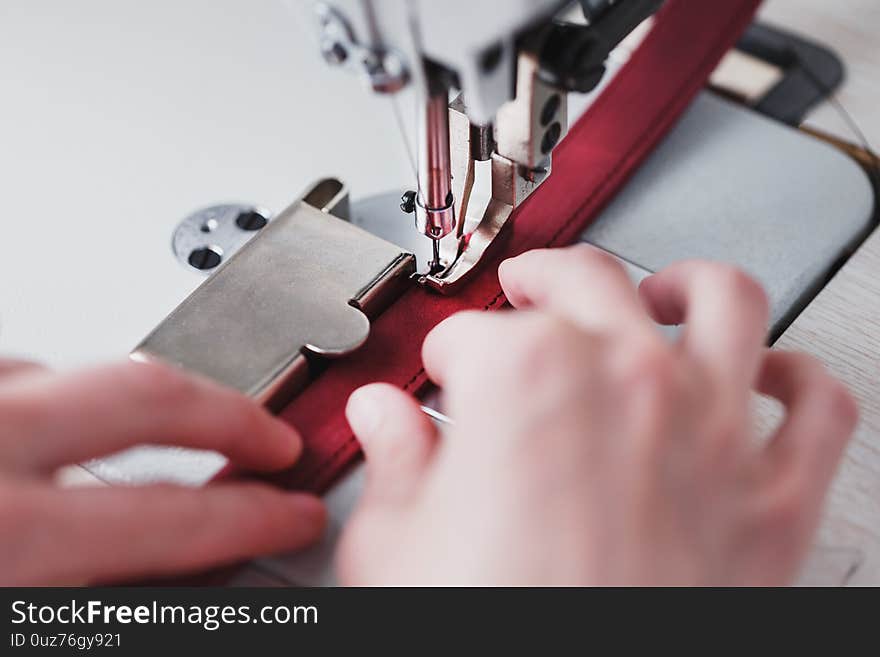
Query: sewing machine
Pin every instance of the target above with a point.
(511, 71)
(230, 104)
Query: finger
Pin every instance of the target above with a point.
(53, 420)
(103, 535)
(12, 367)
(444, 344)
(487, 363)
(581, 283)
(724, 310)
(474, 343)
(820, 417)
(397, 438)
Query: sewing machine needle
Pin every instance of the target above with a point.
(437, 415)
(435, 263)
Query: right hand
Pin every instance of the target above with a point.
(587, 449)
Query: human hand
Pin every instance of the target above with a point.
(50, 535)
(586, 449)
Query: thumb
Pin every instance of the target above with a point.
(397, 438)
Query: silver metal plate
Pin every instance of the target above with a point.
(210, 236)
(306, 283)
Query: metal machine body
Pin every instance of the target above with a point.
(512, 69)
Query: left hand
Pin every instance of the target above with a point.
(59, 536)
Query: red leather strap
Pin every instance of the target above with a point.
(600, 152)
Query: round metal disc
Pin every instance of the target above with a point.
(205, 239)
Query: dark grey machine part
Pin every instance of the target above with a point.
(811, 71)
(731, 185)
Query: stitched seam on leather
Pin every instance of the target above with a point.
(651, 130)
(331, 459)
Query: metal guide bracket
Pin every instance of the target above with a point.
(524, 134)
(307, 284)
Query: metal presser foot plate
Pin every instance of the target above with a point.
(289, 296)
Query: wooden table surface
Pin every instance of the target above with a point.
(842, 325)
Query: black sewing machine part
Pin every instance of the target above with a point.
(811, 71)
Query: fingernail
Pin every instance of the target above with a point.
(309, 510)
(363, 412)
(291, 437)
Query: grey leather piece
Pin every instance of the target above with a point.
(730, 185)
